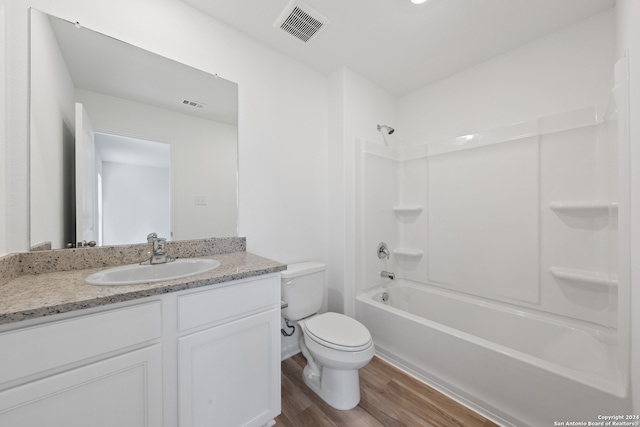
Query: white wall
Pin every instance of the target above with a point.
(357, 106)
(15, 210)
(282, 117)
(569, 69)
(336, 218)
(628, 41)
(203, 160)
(3, 135)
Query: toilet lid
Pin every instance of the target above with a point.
(338, 331)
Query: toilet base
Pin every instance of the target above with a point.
(339, 388)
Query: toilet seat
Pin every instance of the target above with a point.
(338, 332)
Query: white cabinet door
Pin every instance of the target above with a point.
(229, 375)
(123, 391)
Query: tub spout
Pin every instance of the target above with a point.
(388, 274)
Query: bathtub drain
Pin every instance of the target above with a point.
(385, 296)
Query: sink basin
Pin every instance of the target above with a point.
(135, 273)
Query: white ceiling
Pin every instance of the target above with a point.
(400, 46)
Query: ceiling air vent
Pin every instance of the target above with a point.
(193, 103)
(301, 21)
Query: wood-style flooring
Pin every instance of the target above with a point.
(388, 398)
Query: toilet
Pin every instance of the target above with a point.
(335, 345)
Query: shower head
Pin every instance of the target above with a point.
(389, 129)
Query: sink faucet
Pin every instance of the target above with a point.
(388, 274)
(159, 254)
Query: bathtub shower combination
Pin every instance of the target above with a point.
(511, 291)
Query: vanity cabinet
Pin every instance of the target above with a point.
(68, 372)
(229, 372)
(207, 356)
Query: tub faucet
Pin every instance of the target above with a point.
(159, 254)
(387, 274)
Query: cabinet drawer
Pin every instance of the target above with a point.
(228, 302)
(39, 348)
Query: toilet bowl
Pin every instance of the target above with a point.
(335, 346)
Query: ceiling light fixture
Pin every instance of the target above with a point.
(418, 1)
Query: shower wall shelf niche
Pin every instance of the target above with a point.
(578, 207)
(408, 209)
(584, 276)
(408, 252)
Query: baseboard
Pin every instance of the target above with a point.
(289, 351)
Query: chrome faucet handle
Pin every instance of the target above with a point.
(159, 245)
(158, 254)
(383, 250)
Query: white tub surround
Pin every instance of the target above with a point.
(514, 243)
(525, 214)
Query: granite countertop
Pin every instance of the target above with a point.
(48, 293)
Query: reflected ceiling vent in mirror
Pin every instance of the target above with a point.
(301, 21)
(194, 103)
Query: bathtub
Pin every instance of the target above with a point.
(516, 367)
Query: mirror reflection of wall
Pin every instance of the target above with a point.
(134, 180)
(135, 95)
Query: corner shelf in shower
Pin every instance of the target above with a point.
(408, 210)
(581, 207)
(584, 276)
(416, 253)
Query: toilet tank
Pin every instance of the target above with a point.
(302, 288)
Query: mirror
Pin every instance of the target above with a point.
(101, 110)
